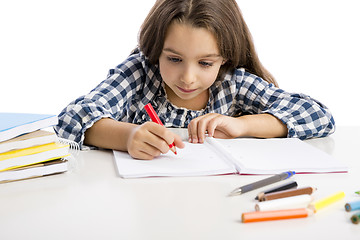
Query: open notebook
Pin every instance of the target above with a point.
(229, 156)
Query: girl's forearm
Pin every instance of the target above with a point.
(262, 126)
(108, 133)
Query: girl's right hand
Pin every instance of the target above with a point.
(150, 139)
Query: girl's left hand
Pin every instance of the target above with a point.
(215, 125)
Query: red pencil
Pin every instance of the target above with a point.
(155, 118)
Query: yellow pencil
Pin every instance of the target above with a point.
(326, 201)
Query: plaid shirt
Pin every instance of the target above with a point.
(135, 82)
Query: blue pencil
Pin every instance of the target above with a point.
(352, 206)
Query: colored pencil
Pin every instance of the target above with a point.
(355, 218)
(287, 193)
(275, 215)
(155, 118)
(300, 201)
(324, 202)
(352, 206)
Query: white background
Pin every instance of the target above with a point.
(51, 52)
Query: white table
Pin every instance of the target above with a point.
(92, 202)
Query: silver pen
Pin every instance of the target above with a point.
(262, 183)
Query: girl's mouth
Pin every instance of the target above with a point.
(186, 90)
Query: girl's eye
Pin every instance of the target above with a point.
(174, 60)
(205, 64)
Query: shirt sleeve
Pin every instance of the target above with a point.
(110, 99)
(304, 116)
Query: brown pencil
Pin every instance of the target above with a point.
(287, 193)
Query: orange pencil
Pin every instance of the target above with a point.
(275, 215)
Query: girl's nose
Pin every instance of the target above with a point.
(188, 76)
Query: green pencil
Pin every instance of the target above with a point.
(358, 192)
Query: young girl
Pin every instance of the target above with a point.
(196, 64)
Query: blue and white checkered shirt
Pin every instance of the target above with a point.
(136, 82)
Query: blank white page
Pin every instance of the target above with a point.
(193, 160)
(274, 155)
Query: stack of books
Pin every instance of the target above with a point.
(27, 150)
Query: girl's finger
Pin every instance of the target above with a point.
(192, 130)
(202, 126)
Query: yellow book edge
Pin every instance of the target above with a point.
(15, 167)
(31, 150)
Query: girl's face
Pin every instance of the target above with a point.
(189, 64)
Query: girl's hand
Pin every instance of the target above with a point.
(150, 139)
(221, 126)
(215, 125)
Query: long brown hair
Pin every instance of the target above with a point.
(221, 17)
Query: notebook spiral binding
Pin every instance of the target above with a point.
(73, 158)
(73, 145)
